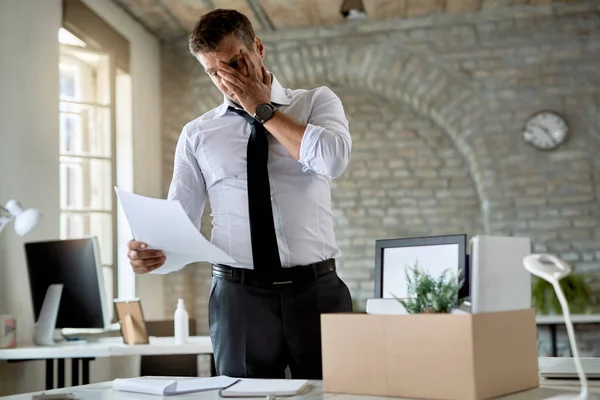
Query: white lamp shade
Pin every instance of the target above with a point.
(25, 220)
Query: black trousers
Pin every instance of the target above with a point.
(259, 330)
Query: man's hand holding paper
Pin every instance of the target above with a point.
(144, 260)
(165, 240)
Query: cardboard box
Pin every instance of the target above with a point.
(434, 356)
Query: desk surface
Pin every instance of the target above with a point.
(576, 319)
(100, 391)
(104, 390)
(109, 347)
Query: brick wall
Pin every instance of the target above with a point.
(436, 107)
(406, 178)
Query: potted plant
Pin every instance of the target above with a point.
(575, 288)
(427, 294)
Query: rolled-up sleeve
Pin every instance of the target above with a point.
(187, 185)
(326, 144)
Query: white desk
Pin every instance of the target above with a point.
(575, 318)
(552, 321)
(315, 392)
(84, 352)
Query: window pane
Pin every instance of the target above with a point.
(71, 185)
(71, 226)
(101, 226)
(86, 183)
(70, 133)
(68, 81)
(85, 130)
(90, 73)
(75, 226)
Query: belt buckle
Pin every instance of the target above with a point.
(283, 282)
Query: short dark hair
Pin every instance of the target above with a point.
(217, 24)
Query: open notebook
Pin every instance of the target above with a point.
(229, 387)
(164, 386)
(265, 387)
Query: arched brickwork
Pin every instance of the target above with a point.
(396, 74)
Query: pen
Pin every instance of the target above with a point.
(227, 387)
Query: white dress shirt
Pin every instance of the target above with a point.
(210, 163)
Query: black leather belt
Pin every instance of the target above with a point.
(286, 275)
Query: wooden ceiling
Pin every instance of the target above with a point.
(175, 18)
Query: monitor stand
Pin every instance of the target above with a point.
(44, 327)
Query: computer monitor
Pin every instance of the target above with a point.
(74, 264)
(434, 254)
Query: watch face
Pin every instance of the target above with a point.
(545, 130)
(264, 112)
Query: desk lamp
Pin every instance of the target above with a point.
(25, 220)
(552, 269)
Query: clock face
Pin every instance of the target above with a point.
(545, 130)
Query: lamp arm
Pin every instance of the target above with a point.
(572, 342)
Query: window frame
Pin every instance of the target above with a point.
(111, 74)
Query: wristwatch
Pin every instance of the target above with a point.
(264, 112)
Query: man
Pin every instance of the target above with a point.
(264, 159)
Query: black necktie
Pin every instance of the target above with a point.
(265, 253)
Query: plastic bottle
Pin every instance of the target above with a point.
(182, 330)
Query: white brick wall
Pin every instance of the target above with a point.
(436, 107)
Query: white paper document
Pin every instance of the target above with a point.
(164, 225)
(265, 387)
(168, 386)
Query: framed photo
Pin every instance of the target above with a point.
(131, 319)
(432, 254)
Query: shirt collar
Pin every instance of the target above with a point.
(278, 97)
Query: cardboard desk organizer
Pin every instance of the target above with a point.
(434, 356)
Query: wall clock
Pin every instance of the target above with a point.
(545, 130)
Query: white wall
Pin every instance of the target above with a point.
(28, 152)
(29, 145)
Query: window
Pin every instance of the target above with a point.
(88, 138)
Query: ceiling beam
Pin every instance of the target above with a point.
(168, 12)
(136, 18)
(261, 15)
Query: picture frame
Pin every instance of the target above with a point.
(452, 247)
(132, 321)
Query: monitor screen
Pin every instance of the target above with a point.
(435, 254)
(74, 263)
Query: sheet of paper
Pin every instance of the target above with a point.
(264, 387)
(164, 225)
(143, 385)
(167, 386)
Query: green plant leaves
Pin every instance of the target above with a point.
(577, 292)
(429, 294)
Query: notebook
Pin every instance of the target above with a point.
(164, 386)
(265, 387)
